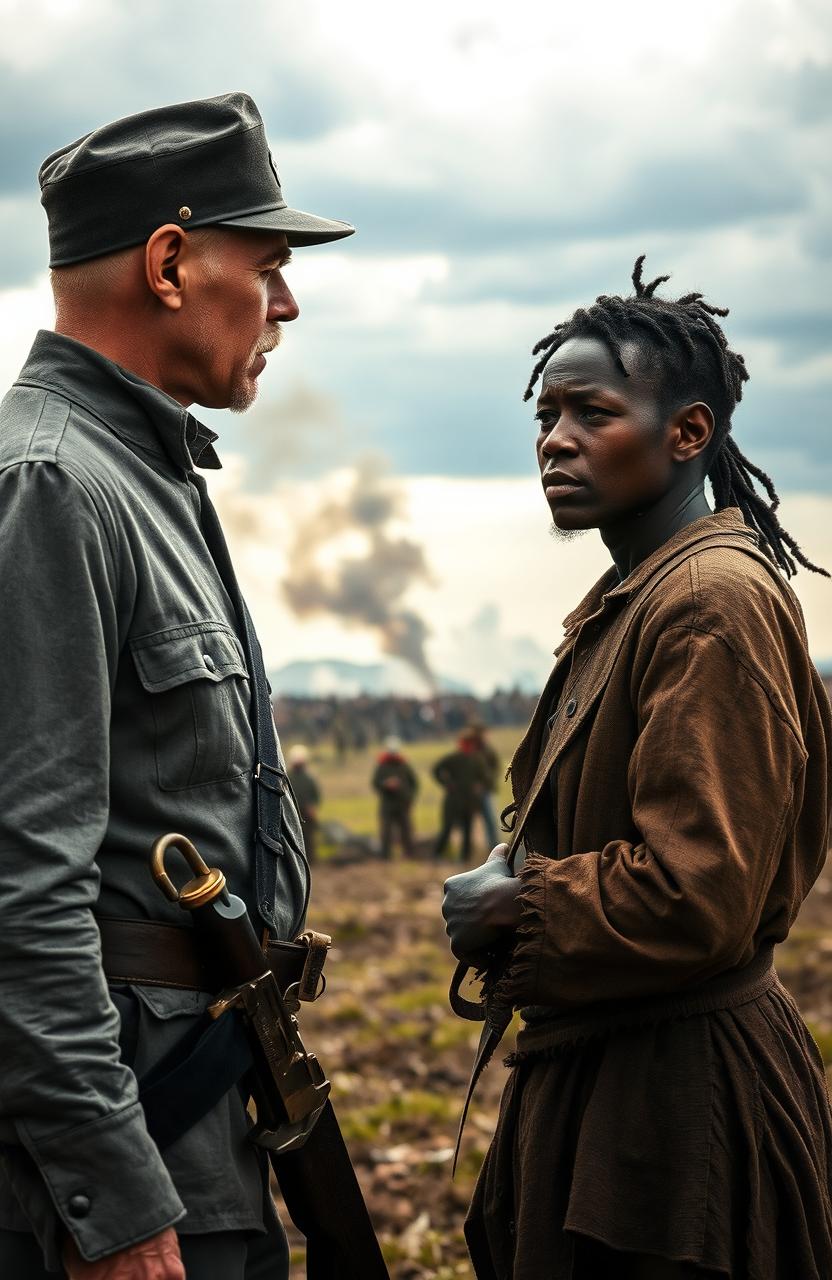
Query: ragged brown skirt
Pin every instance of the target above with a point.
(703, 1138)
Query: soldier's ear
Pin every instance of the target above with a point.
(165, 266)
(690, 431)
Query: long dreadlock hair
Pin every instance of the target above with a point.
(695, 363)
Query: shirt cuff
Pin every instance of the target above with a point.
(108, 1182)
(519, 982)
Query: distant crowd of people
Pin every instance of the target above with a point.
(468, 776)
(353, 724)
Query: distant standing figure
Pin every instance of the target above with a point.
(307, 796)
(339, 736)
(396, 784)
(463, 778)
(490, 762)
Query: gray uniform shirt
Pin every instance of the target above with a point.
(124, 701)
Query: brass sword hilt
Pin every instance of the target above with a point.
(208, 882)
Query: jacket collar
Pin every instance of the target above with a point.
(134, 410)
(609, 591)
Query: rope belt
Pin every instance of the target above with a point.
(724, 991)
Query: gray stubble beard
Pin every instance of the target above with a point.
(243, 395)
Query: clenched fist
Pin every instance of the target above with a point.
(481, 906)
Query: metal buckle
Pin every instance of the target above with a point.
(312, 984)
(292, 1073)
(279, 788)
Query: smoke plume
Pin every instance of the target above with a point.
(286, 433)
(365, 583)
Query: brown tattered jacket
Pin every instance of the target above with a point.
(683, 796)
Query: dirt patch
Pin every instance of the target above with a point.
(399, 1060)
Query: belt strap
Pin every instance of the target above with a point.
(194, 1076)
(151, 953)
(155, 954)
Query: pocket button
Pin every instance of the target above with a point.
(210, 664)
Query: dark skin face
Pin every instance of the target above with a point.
(605, 450)
(599, 447)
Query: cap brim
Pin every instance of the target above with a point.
(300, 228)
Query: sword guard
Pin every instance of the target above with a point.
(208, 882)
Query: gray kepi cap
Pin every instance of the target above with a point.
(196, 164)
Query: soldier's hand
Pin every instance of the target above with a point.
(155, 1259)
(481, 906)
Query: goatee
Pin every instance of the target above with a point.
(565, 535)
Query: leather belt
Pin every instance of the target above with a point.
(151, 953)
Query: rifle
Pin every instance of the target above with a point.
(296, 1123)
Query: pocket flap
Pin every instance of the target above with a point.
(194, 651)
(169, 1002)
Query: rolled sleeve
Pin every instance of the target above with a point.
(63, 1089)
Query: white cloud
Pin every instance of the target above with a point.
(366, 293)
(35, 31)
(22, 312)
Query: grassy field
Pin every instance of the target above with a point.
(398, 1058)
(349, 799)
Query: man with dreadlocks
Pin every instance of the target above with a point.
(667, 1113)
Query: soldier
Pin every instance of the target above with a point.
(667, 1113)
(490, 762)
(130, 669)
(396, 784)
(307, 794)
(462, 776)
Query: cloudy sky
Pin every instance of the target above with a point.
(503, 164)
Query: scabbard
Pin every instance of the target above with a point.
(317, 1180)
(324, 1200)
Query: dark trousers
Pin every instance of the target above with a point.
(221, 1255)
(453, 816)
(395, 824)
(492, 834)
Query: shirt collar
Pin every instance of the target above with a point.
(609, 590)
(133, 409)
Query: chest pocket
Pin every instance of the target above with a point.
(198, 690)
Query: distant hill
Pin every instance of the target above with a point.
(328, 677)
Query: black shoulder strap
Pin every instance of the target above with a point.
(271, 781)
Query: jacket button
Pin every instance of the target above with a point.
(210, 664)
(78, 1206)
(571, 706)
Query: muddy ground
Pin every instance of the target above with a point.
(399, 1060)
